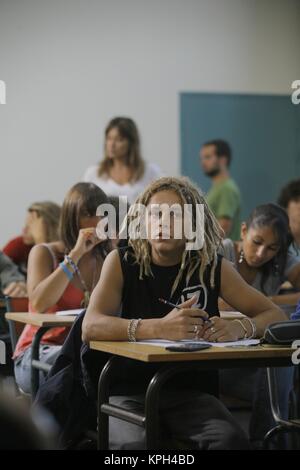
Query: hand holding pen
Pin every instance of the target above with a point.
(184, 321)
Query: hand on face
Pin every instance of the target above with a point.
(87, 240)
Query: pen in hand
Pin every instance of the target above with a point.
(166, 302)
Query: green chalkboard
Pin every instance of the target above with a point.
(263, 130)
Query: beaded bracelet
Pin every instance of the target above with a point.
(71, 262)
(131, 329)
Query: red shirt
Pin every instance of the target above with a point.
(17, 251)
(71, 299)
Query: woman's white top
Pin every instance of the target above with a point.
(131, 190)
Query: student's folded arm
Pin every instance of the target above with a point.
(247, 300)
(101, 321)
(286, 299)
(45, 286)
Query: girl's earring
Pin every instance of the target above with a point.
(241, 258)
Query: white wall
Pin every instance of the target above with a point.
(71, 65)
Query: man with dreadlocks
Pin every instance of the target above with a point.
(125, 306)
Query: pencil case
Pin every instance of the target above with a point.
(284, 332)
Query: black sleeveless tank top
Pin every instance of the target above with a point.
(140, 300)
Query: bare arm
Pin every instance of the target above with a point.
(102, 323)
(245, 299)
(45, 286)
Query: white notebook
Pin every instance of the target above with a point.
(62, 313)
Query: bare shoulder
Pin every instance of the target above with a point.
(44, 252)
(112, 263)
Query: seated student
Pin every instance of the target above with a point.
(12, 282)
(41, 226)
(62, 274)
(132, 281)
(289, 199)
(263, 259)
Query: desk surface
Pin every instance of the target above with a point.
(41, 319)
(49, 319)
(150, 353)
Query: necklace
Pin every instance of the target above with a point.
(86, 292)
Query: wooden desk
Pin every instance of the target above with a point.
(172, 364)
(150, 353)
(43, 321)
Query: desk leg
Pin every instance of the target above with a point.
(281, 424)
(35, 355)
(103, 397)
(152, 421)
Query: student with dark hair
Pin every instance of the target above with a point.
(224, 197)
(262, 257)
(289, 199)
(122, 171)
(62, 274)
(125, 305)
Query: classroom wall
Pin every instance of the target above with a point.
(69, 66)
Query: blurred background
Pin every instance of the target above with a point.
(70, 66)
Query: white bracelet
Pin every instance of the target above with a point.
(253, 326)
(244, 328)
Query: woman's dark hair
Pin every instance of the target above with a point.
(129, 131)
(290, 192)
(82, 200)
(273, 216)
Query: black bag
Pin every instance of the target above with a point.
(284, 332)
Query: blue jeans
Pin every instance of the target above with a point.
(48, 354)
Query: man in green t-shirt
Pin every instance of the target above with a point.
(224, 196)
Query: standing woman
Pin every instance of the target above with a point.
(62, 274)
(122, 172)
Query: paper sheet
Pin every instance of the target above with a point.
(62, 313)
(165, 342)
